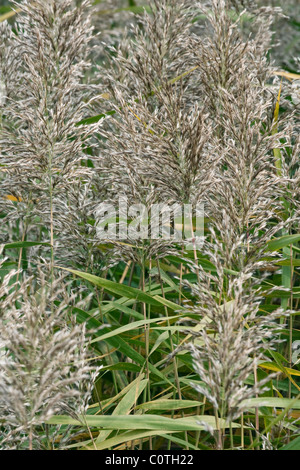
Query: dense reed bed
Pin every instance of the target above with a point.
(149, 238)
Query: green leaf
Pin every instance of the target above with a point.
(169, 404)
(271, 402)
(125, 405)
(128, 366)
(108, 402)
(131, 326)
(165, 277)
(161, 339)
(124, 291)
(289, 262)
(293, 445)
(95, 119)
(151, 422)
(281, 242)
(119, 305)
(283, 294)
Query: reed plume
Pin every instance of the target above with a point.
(42, 142)
(44, 366)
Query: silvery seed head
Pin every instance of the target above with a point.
(43, 142)
(45, 368)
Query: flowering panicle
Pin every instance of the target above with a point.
(44, 368)
(234, 338)
(246, 205)
(42, 141)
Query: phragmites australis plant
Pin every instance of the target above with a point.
(167, 336)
